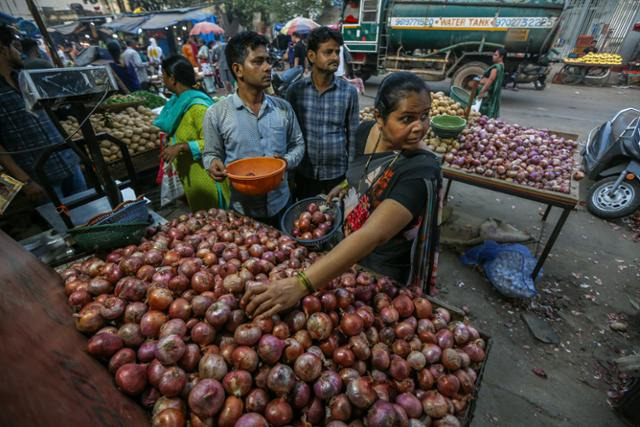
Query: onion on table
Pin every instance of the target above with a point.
(313, 223)
(171, 329)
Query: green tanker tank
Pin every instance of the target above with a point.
(440, 38)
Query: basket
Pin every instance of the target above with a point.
(256, 176)
(133, 211)
(446, 126)
(91, 238)
(459, 95)
(322, 243)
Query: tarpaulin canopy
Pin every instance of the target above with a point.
(126, 24)
(66, 29)
(167, 19)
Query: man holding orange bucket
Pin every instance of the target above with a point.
(250, 123)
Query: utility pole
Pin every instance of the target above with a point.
(45, 34)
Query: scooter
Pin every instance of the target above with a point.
(281, 81)
(529, 73)
(611, 156)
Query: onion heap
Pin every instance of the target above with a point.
(535, 158)
(313, 223)
(165, 317)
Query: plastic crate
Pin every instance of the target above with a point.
(102, 237)
(324, 242)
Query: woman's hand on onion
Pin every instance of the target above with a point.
(271, 298)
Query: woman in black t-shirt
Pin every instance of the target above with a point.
(391, 199)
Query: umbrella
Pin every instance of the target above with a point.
(206, 28)
(300, 25)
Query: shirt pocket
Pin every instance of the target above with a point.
(274, 137)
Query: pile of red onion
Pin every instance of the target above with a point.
(165, 317)
(536, 158)
(313, 223)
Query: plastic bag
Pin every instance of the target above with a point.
(168, 178)
(475, 107)
(508, 267)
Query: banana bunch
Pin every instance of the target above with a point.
(596, 58)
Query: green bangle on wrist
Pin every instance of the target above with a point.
(344, 184)
(304, 280)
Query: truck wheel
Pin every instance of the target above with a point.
(623, 202)
(466, 74)
(364, 74)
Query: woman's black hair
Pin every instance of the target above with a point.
(322, 35)
(237, 48)
(179, 67)
(7, 35)
(114, 49)
(502, 52)
(396, 87)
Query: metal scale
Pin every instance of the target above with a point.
(76, 92)
(65, 92)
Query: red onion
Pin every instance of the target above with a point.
(308, 367)
(340, 408)
(151, 323)
(434, 404)
(466, 382)
(202, 333)
(212, 366)
(248, 334)
(281, 379)
(329, 302)
(351, 324)
(281, 330)
(411, 405)
(131, 335)
(278, 412)
(256, 400)
(104, 345)
(448, 385)
(159, 299)
(170, 349)
(300, 395)
(231, 412)
(173, 327)
(147, 351)
(270, 348)
(89, 321)
(445, 339)
(218, 314)
(206, 398)
(361, 393)
(383, 414)
(403, 304)
(451, 359)
(327, 385)
(237, 383)
(399, 368)
(416, 360)
(120, 358)
(389, 315)
(172, 382)
(311, 304)
(191, 357)
(380, 358)
(476, 354)
(319, 326)
(131, 378)
(251, 420)
(134, 311)
(244, 358)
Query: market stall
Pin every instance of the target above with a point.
(591, 69)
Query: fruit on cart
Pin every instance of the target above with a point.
(532, 157)
(132, 126)
(356, 350)
(122, 99)
(596, 58)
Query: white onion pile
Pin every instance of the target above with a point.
(166, 318)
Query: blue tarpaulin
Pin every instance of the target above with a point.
(127, 24)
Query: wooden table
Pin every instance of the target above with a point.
(48, 377)
(566, 202)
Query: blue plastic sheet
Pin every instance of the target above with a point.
(508, 267)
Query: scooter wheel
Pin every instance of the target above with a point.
(623, 202)
(539, 85)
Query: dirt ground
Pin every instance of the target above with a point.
(590, 280)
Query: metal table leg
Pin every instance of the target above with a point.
(546, 213)
(551, 241)
(446, 191)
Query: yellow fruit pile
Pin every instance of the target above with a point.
(596, 58)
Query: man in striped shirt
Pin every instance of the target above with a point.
(328, 113)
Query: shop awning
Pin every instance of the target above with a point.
(66, 29)
(167, 19)
(126, 24)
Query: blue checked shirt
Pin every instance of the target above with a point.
(22, 130)
(232, 131)
(329, 122)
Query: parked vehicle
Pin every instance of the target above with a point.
(453, 39)
(612, 158)
(282, 80)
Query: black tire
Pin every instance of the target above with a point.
(465, 74)
(364, 74)
(539, 85)
(625, 202)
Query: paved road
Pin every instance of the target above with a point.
(591, 275)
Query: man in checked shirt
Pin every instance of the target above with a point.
(328, 113)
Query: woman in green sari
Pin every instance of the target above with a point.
(181, 119)
(491, 85)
